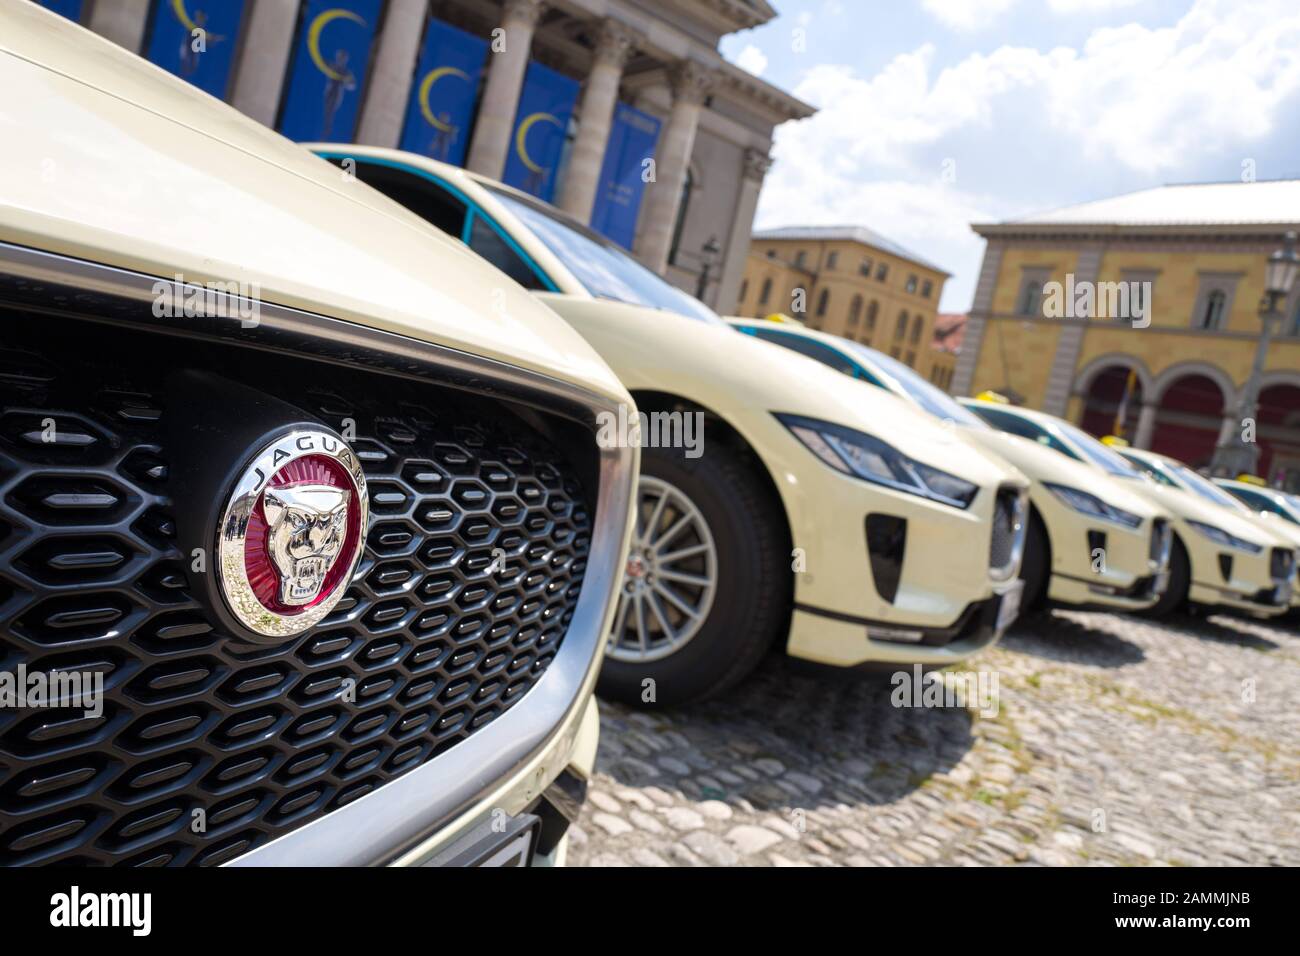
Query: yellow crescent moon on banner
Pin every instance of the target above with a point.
(313, 38)
(432, 77)
(521, 138)
(178, 6)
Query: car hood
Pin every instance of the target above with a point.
(1040, 463)
(1190, 507)
(111, 159)
(734, 375)
(1287, 534)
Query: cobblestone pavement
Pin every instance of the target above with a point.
(1117, 741)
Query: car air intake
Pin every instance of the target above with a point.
(1008, 534)
(1281, 564)
(886, 544)
(1160, 540)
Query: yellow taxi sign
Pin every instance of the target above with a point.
(1253, 480)
(782, 318)
(1114, 441)
(988, 395)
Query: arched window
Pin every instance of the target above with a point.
(1212, 313)
(900, 330)
(765, 293)
(855, 310)
(1031, 298)
(823, 302)
(872, 311)
(744, 289)
(917, 327)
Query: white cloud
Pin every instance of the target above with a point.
(1088, 6)
(1133, 102)
(752, 59)
(966, 14)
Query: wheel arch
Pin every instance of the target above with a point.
(716, 426)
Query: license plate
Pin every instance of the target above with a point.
(1009, 607)
(1162, 583)
(515, 851)
(509, 841)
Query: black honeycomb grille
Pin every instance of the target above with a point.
(207, 746)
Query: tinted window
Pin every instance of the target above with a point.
(422, 197)
(1103, 457)
(492, 246)
(1261, 502)
(1151, 471)
(603, 268)
(809, 347)
(938, 403)
(1204, 487)
(1014, 424)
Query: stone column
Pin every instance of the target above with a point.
(264, 59)
(390, 83)
(578, 192)
(505, 80)
(122, 21)
(757, 163)
(691, 83)
(963, 379)
(1146, 426)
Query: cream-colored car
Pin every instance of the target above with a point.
(1278, 510)
(1220, 559)
(782, 504)
(1092, 542)
(328, 542)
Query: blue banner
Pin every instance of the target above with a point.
(69, 8)
(632, 139)
(329, 69)
(442, 96)
(195, 40)
(541, 125)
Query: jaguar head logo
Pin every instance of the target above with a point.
(292, 533)
(308, 524)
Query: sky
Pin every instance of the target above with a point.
(934, 114)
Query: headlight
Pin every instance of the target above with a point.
(871, 459)
(1088, 504)
(1219, 536)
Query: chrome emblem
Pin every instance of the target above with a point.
(292, 533)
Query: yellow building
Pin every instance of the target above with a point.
(1138, 315)
(849, 281)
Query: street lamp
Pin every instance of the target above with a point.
(1236, 456)
(708, 256)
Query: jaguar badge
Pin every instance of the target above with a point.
(292, 533)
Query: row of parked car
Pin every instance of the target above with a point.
(307, 477)
(919, 525)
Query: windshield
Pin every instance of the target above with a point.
(930, 397)
(1206, 489)
(603, 268)
(1109, 461)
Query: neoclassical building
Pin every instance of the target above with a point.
(848, 280)
(1173, 385)
(621, 112)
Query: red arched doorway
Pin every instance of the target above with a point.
(1188, 418)
(1106, 401)
(1279, 435)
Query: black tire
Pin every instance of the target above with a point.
(1034, 568)
(1174, 599)
(752, 598)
